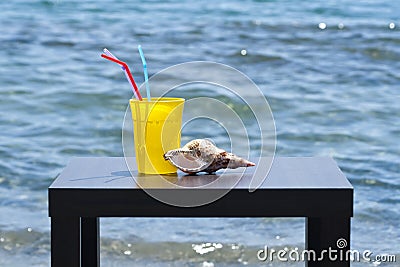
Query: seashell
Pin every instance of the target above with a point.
(201, 155)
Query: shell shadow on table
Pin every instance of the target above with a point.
(179, 179)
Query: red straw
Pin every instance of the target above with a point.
(123, 64)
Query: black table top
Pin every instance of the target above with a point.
(294, 187)
(285, 173)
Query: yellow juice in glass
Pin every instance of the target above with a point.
(157, 129)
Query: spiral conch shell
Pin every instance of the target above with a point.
(201, 155)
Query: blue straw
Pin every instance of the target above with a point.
(146, 76)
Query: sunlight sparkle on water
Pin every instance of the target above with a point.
(206, 247)
(322, 26)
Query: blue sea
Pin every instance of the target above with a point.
(330, 71)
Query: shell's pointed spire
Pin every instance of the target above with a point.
(201, 155)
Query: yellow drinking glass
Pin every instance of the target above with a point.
(157, 129)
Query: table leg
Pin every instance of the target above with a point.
(330, 239)
(90, 238)
(65, 241)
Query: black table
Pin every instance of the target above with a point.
(89, 188)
